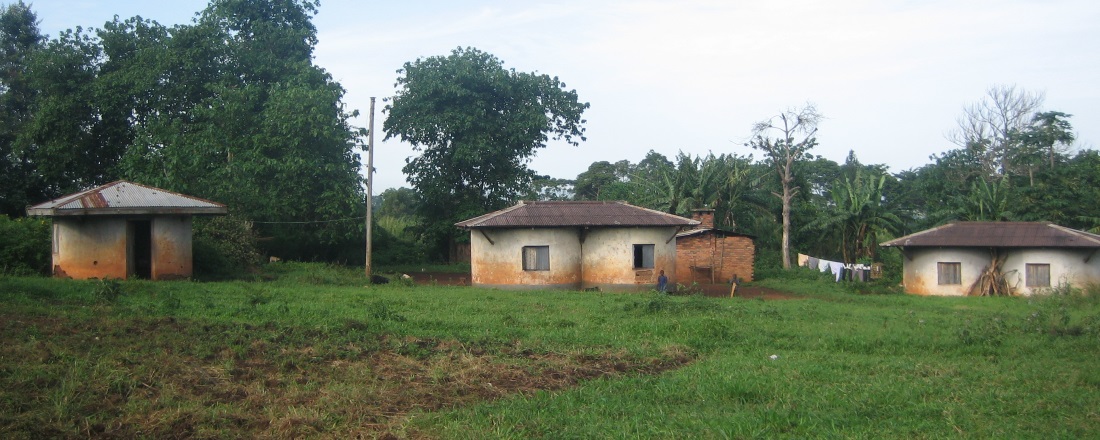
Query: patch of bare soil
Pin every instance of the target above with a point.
(441, 278)
(267, 381)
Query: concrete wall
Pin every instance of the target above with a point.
(1066, 266)
(605, 259)
(171, 247)
(500, 263)
(724, 256)
(608, 261)
(96, 247)
(89, 247)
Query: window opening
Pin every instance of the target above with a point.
(536, 258)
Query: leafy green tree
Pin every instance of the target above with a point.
(20, 39)
(597, 181)
(986, 202)
(857, 213)
(398, 202)
(549, 188)
(794, 136)
(1057, 193)
(1043, 141)
(251, 123)
(476, 125)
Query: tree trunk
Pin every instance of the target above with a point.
(786, 248)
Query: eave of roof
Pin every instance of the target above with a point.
(551, 214)
(699, 231)
(998, 234)
(126, 198)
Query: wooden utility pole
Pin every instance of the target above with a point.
(370, 180)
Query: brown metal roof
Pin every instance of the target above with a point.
(573, 213)
(122, 198)
(999, 234)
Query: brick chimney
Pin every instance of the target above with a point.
(705, 218)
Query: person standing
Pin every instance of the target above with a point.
(662, 282)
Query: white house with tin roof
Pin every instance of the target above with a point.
(573, 245)
(123, 230)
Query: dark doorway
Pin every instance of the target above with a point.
(140, 248)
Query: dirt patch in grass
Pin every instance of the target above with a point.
(441, 278)
(164, 378)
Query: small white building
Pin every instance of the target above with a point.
(573, 245)
(123, 230)
(1037, 256)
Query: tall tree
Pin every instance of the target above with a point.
(232, 108)
(20, 39)
(476, 125)
(598, 182)
(858, 214)
(1047, 136)
(794, 132)
(988, 126)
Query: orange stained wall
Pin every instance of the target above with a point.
(89, 247)
(171, 251)
(701, 255)
(496, 258)
(597, 257)
(95, 247)
(608, 260)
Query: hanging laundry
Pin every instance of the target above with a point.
(838, 269)
(803, 259)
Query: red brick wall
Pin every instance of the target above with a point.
(725, 257)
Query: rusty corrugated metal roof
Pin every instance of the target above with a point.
(122, 197)
(999, 234)
(574, 213)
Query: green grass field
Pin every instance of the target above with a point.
(311, 351)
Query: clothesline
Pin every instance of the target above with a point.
(858, 272)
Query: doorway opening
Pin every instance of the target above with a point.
(139, 249)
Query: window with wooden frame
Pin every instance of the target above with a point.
(949, 273)
(536, 258)
(643, 256)
(1037, 275)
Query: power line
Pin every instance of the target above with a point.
(314, 221)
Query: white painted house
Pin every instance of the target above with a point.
(1038, 256)
(573, 245)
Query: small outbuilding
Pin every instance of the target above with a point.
(602, 245)
(708, 255)
(1025, 257)
(123, 230)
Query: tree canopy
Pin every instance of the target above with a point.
(229, 108)
(476, 125)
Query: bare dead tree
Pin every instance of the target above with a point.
(782, 152)
(987, 126)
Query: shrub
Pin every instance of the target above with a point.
(24, 246)
(224, 246)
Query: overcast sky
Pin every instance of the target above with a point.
(890, 77)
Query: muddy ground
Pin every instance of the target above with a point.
(713, 290)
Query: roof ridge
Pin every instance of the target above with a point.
(1083, 234)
